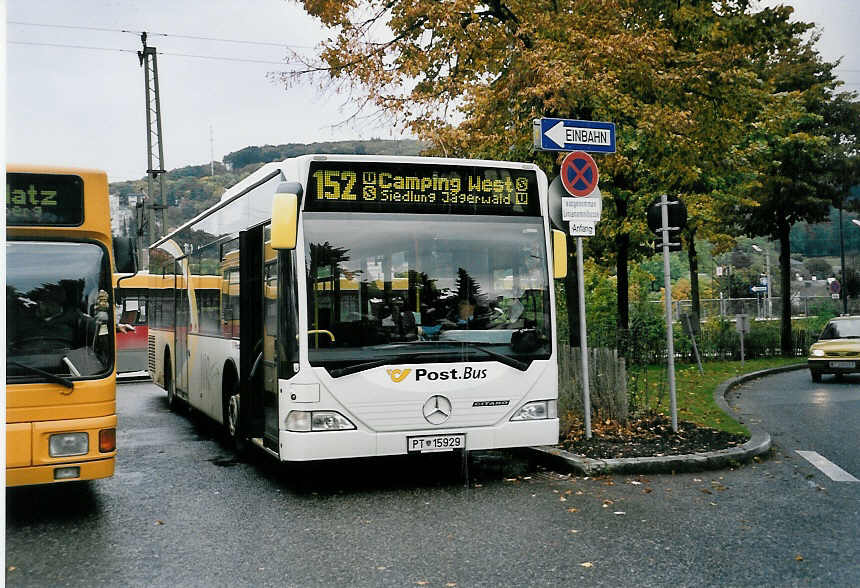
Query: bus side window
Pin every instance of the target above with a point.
(229, 272)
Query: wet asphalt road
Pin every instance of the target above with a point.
(802, 415)
(181, 510)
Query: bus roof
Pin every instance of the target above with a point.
(52, 169)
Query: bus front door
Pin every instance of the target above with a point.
(252, 342)
(270, 344)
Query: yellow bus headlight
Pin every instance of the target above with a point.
(68, 444)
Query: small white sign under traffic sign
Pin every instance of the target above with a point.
(582, 229)
(581, 209)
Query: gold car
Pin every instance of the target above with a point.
(837, 350)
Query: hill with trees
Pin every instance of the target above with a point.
(238, 160)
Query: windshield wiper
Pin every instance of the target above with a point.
(359, 367)
(505, 359)
(52, 377)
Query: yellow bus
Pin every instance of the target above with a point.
(60, 343)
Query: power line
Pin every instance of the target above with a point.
(214, 57)
(56, 26)
(240, 59)
(266, 43)
(178, 36)
(70, 46)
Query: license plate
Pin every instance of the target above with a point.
(842, 364)
(429, 443)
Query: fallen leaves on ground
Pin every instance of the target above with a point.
(647, 436)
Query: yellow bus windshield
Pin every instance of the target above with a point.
(59, 311)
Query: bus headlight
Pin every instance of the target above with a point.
(817, 353)
(68, 444)
(318, 420)
(537, 410)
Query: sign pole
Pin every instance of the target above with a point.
(667, 282)
(742, 326)
(578, 176)
(692, 333)
(586, 394)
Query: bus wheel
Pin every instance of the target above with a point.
(232, 408)
(169, 383)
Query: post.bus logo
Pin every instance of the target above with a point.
(398, 375)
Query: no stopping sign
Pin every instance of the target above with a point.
(579, 173)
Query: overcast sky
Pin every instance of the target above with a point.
(86, 107)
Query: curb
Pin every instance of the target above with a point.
(758, 444)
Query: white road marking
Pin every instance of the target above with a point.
(833, 471)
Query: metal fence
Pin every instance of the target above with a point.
(716, 337)
(763, 308)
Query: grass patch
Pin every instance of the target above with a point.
(694, 391)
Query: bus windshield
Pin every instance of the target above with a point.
(392, 288)
(59, 311)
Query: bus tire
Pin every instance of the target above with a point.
(169, 383)
(231, 407)
(816, 375)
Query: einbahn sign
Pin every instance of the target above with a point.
(562, 134)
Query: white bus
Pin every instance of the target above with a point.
(335, 306)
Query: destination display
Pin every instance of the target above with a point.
(421, 188)
(44, 200)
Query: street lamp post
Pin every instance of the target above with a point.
(767, 276)
(842, 291)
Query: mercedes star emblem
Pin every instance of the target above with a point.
(437, 409)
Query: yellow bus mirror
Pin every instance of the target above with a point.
(285, 221)
(559, 254)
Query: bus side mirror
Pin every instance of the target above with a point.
(125, 255)
(285, 220)
(559, 254)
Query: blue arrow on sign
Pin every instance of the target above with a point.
(563, 134)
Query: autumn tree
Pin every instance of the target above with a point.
(803, 148)
(469, 76)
